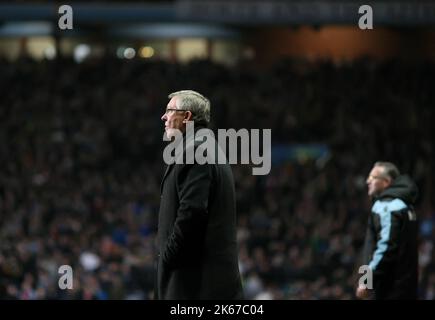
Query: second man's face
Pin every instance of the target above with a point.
(377, 181)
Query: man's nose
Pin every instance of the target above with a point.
(163, 117)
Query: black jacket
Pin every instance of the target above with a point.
(391, 242)
(197, 234)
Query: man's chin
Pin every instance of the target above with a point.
(373, 194)
(169, 134)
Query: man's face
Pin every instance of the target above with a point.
(377, 181)
(173, 119)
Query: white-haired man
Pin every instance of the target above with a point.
(197, 218)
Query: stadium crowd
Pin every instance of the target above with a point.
(81, 153)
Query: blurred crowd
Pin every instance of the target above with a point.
(81, 153)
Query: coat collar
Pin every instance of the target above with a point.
(168, 169)
(170, 166)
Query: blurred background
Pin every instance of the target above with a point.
(81, 136)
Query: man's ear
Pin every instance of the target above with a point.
(188, 117)
(389, 181)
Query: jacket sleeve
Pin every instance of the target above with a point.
(386, 248)
(186, 239)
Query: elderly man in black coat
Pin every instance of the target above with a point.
(197, 219)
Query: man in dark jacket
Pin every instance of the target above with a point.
(390, 248)
(197, 217)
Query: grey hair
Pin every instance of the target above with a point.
(194, 102)
(390, 169)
